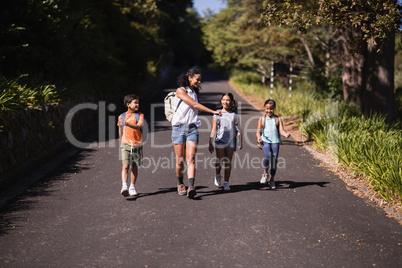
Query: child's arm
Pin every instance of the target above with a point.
(258, 133)
(240, 136)
(212, 136)
(139, 124)
(119, 125)
(240, 146)
(282, 130)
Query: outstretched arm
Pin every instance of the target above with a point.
(182, 94)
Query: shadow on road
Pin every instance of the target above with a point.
(26, 200)
(280, 185)
(292, 184)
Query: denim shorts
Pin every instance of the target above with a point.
(183, 133)
(220, 144)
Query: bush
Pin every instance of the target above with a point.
(15, 95)
(370, 147)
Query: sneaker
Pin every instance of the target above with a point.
(132, 191)
(226, 186)
(191, 192)
(264, 178)
(124, 191)
(181, 189)
(272, 184)
(217, 180)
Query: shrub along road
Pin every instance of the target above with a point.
(74, 216)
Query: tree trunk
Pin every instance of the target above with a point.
(379, 93)
(307, 48)
(352, 69)
(368, 76)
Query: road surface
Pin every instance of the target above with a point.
(74, 216)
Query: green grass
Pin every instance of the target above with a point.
(16, 95)
(369, 146)
(303, 100)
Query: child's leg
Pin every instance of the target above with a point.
(124, 176)
(267, 153)
(228, 162)
(125, 157)
(134, 174)
(220, 154)
(124, 173)
(274, 159)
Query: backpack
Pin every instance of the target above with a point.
(169, 101)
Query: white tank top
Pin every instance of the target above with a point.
(186, 114)
(226, 128)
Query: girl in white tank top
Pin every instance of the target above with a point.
(225, 137)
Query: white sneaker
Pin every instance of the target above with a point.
(226, 186)
(124, 190)
(217, 180)
(132, 191)
(272, 184)
(264, 178)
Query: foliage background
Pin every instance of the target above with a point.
(57, 50)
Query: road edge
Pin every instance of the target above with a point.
(363, 191)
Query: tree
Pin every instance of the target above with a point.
(101, 44)
(181, 31)
(236, 38)
(367, 29)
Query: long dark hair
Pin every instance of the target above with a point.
(182, 79)
(233, 106)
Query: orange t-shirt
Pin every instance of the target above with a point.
(130, 135)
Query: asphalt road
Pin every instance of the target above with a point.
(74, 215)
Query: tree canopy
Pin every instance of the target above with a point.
(358, 35)
(372, 20)
(367, 38)
(236, 38)
(101, 45)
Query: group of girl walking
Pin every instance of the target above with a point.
(225, 135)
